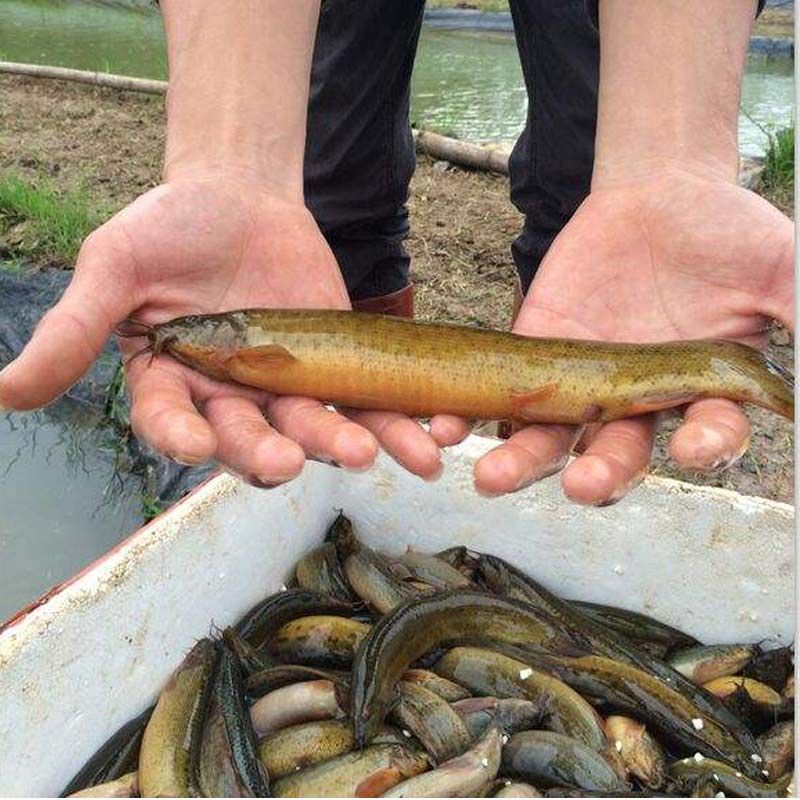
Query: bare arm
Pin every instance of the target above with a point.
(238, 91)
(670, 81)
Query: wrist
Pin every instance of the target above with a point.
(238, 89)
(620, 170)
(670, 77)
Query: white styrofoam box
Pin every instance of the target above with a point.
(96, 651)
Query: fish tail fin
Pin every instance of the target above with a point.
(761, 380)
(781, 388)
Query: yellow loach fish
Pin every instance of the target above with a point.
(378, 362)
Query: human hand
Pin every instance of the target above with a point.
(672, 256)
(204, 244)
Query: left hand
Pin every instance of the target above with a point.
(671, 256)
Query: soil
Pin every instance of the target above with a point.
(463, 223)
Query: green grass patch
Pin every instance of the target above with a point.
(41, 223)
(777, 179)
(779, 160)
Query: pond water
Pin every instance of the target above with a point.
(61, 503)
(467, 85)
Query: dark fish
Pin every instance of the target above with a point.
(321, 571)
(299, 746)
(688, 771)
(546, 758)
(777, 749)
(560, 708)
(422, 624)
(362, 773)
(509, 715)
(650, 634)
(465, 775)
(228, 763)
(594, 638)
(431, 720)
(118, 756)
(317, 641)
(704, 663)
(446, 689)
(171, 741)
(261, 621)
(641, 755)
(251, 659)
(638, 693)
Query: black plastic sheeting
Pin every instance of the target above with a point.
(24, 298)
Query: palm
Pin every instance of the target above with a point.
(698, 260)
(205, 246)
(204, 251)
(680, 258)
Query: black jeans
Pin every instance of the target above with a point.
(360, 153)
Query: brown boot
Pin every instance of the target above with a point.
(396, 304)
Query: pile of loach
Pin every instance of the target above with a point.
(452, 675)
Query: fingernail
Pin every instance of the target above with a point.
(436, 474)
(320, 460)
(729, 459)
(622, 491)
(267, 483)
(355, 470)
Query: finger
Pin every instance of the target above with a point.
(714, 435)
(248, 445)
(613, 463)
(529, 455)
(447, 429)
(163, 414)
(72, 334)
(323, 433)
(404, 440)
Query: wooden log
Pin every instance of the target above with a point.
(444, 148)
(82, 76)
(464, 154)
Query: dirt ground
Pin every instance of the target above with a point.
(111, 142)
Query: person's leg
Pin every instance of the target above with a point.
(550, 168)
(360, 152)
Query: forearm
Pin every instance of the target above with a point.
(670, 81)
(238, 89)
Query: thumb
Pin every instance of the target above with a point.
(73, 333)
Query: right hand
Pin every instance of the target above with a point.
(205, 244)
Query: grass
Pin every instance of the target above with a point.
(779, 159)
(42, 223)
(777, 179)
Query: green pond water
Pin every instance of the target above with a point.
(61, 503)
(466, 84)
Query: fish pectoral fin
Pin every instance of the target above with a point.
(658, 401)
(524, 402)
(265, 355)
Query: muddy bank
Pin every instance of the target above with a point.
(462, 226)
